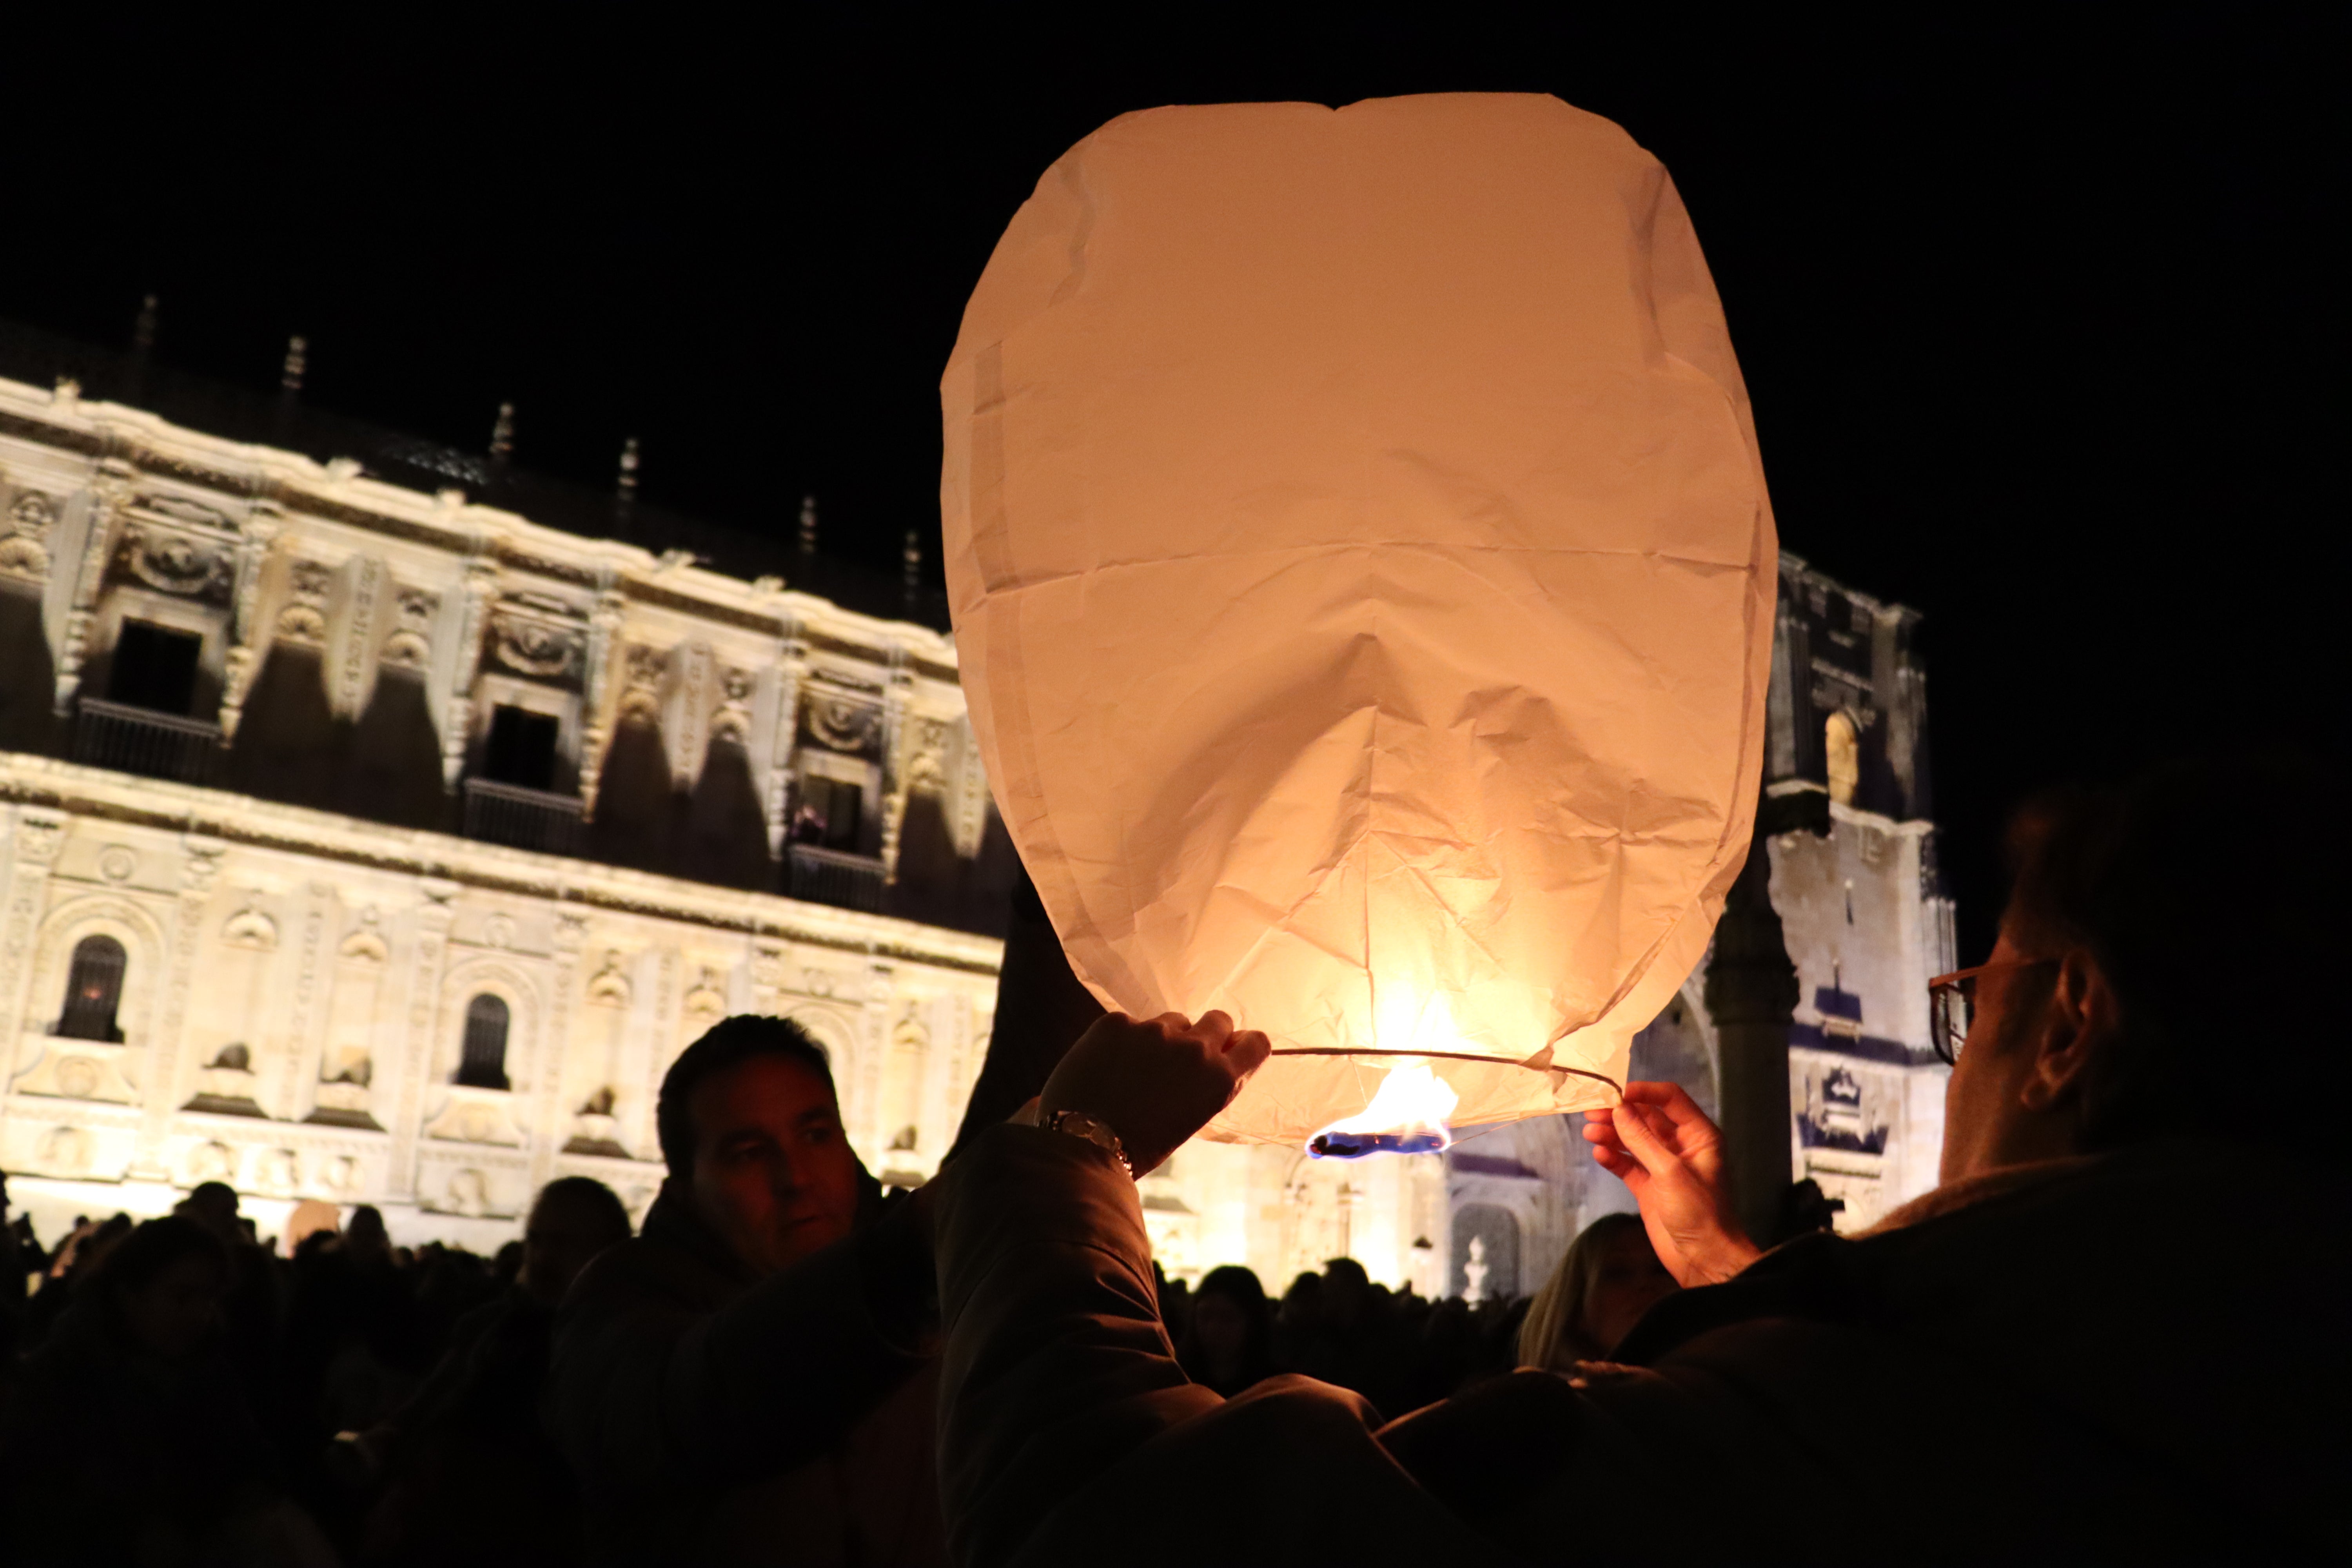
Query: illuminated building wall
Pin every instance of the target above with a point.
(370, 842)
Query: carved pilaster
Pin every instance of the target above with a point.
(604, 653)
(248, 641)
(200, 861)
(790, 676)
(766, 978)
(896, 734)
(481, 588)
(35, 838)
(549, 1114)
(107, 498)
(435, 913)
(352, 672)
(298, 1064)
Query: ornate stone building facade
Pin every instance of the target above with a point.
(373, 844)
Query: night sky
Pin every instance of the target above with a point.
(2041, 325)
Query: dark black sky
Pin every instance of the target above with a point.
(2040, 317)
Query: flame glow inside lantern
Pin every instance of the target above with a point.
(1363, 580)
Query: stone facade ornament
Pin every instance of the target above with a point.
(366, 943)
(173, 564)
(641, 689)
(845, 724)
(303, 619)
(249, 928)
(708, 1000)
(409, 644)
(24, 536)
(535, 649)
(609, 987)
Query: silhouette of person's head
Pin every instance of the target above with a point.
(574, 1218)
(160, 1288)
(751, 1133)
(213, 1205)
(365, 1239)
(1229, 1335)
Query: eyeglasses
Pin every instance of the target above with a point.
(1952, 1004)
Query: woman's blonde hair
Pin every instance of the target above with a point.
(1555, 1336)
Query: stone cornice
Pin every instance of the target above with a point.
(238, 820)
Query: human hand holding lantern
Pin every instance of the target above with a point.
(1154, 1081)
(1662, 1146)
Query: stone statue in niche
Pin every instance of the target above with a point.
(225, 1086)
(1473, 1273)
(344, 1094)
(593, 1128)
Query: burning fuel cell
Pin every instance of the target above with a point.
(1362, 578)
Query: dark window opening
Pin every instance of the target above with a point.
(154, 667)
(93, 990)
(521, 749)
(482, 1064)
(829, 814)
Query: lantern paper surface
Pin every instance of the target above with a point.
(1362, 579)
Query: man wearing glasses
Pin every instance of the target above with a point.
(2114, 1332)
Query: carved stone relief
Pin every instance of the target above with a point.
(535, 647)
(641, 692)
(24, 536)
(303, 619)
(174, 563)
(409, 644)
(733, 720)
(845, 724)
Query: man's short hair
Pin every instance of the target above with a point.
(727, 1045)
(591, 1196)
(2212, 899)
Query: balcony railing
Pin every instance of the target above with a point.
(522, 818)
(142, 741)
(829, 877)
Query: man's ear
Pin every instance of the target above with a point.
(2079, 1022)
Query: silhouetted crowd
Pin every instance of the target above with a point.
(786, 1363)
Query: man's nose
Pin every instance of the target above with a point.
(783, 1174)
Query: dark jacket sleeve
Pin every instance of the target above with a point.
(1066, 1427)
(649, 1387)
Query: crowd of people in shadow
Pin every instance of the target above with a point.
(787, 1363)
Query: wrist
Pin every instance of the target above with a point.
(1089, 1128)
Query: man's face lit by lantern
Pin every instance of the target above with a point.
(1362, 578)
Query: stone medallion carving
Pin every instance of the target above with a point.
(534, 648)
(843, 724)
(24, 535)
(174, 563)
(116, 862)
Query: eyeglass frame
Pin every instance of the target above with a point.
(1960, 985)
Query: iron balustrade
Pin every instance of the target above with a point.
(830, 877)
(522, 818)
(142, 741)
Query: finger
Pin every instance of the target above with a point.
(1247, 1051)
(1214, 1030)
(1624, 1167)
(1673, 1100)
(1172, 1025)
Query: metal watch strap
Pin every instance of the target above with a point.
(1078, 1125)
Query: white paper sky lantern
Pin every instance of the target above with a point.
(1363, 575)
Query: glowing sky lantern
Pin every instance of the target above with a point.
(1363, 576)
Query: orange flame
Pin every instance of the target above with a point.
(1407, 1116)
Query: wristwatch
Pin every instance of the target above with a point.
(1078, 1125)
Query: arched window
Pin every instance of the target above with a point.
(93, 990)
(483, 1064)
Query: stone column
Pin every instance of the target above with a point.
(897, 732)
(550, 1117)
(1751, 991)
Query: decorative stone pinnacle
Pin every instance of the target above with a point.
(808, 525)
(627, 486)
(913, 558)
(502, 434)
(298, 361)
(142, 330)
